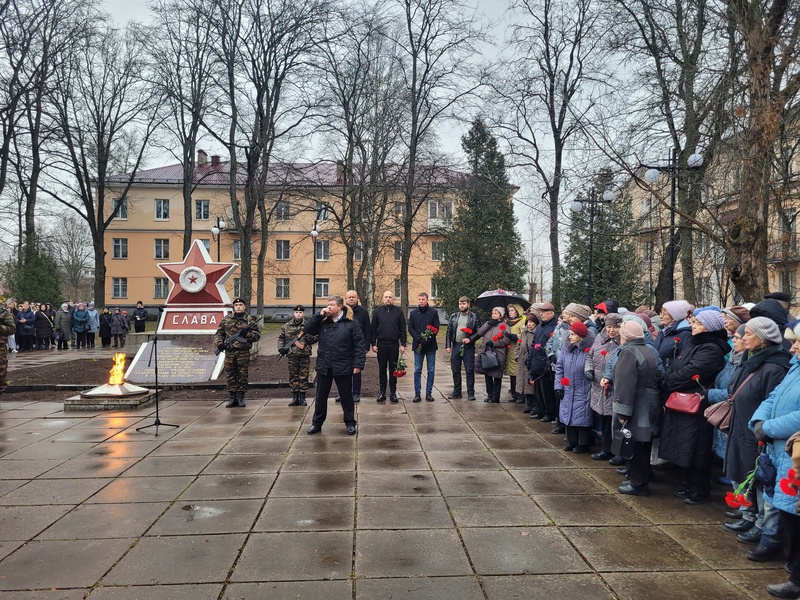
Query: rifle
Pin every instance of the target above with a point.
(285, 350)
(238, 337)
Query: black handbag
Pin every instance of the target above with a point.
(489, 360)
(622, 442)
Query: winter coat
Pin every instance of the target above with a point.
(769, 367)
(418, 321)
(780, 413)
(341, 343)
(636, 396)
(290, 331)
(575, 409)
(63, 324)
(80, 320)
(454, 336)
(388, 325)
(515, 328)
(719, 393)
(671, 340)
(94, 319)
(596, 362)
(44, 326)
(232, 328)
(649, 341)
(361, 316)
(29, 326)
(524, 346)
(105, 325)
(140, 314)
(772, 309)
(686, 439)
(538, 363)
(492, 329)
(119, 324)
(556, 342)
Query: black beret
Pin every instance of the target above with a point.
(300, 308)
(780, 296)
(238, 299)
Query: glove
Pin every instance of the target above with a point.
(758, 430)
(553, 359)
(221, 347)
(490, 344)
(283, 351)
(589, 375)
(559, 394)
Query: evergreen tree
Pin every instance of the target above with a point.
(34, 277)
(615, 272)
(483, 251)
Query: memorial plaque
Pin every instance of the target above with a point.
(179, 361)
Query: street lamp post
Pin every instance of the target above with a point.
(651, 176)
(216, 230)
(577, 206)
(314, 234)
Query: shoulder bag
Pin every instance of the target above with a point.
(684, 402)
(489, 360)
(719, 414)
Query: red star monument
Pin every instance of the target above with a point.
(198, 280)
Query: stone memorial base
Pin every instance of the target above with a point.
(129, 402)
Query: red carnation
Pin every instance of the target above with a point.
(433, 329)
(551, 333)
(696, 378)
(502, 326)
(676, 339)
(603, 352)
(786, 487)
(743, 502)
(519, 340)
(587, 350)
(731, 500)
(537, 346)
(467, 330)
(565, 381)
(495, 338)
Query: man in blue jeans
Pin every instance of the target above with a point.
(423, 325)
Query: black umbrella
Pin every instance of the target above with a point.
(488, 300)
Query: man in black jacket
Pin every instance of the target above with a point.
(460, 352)
(388, 332)
(539, 366)
(423, 325)
(340, 355)
(360, 316)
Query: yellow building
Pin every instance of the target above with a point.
(149, 229)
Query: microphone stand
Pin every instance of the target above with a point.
(154, 360)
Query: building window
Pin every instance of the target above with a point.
(400, 211)
(435, 292)
(161, 248)
(121, 208)
(358, 251)
(398, 288)
(437, 251)
(398, 250)
(440, 209)
(201, 210)
(160, 287)
(282, 212)
(282, 287)
(323, 250)
(649, 250)
(322, 288)
(162, 210)
(322, 211)
(119, 287)
(120, 248)
(281, 250)
(237, 286)
(237, 250)
(207, 244)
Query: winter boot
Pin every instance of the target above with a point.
(240, 399)
(295, 399)
(233, 402)
(301, 397)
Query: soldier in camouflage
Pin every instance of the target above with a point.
(237, 355)
(297, 348)
(7, 327)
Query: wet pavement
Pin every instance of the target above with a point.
(436, 500)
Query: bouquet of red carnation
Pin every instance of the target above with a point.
(467, 331)
(399, 368)
(429, 332)
(790, 483)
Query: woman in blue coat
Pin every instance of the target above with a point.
(575, 410)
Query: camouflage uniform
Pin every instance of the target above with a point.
(299, 360)
(7, 327)
(237, 356)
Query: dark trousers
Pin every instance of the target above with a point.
(580, 436)
(545, 394)
(25, 342)
(388, 353)
(791, 527)
(468, 360)
(493, 385)
(90, 339)
(605, 430)
(43, 343)
(699, 480)
(81, 339)
(344, 384)
(639, 466)
(63, 343)
(138, 326)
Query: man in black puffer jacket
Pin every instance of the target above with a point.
(340, 355)
(388, 332)
(539, 366)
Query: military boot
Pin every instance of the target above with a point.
(301, 396)
(295, 399)
(240, 398)
(233, 402)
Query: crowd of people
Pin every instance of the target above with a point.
(39, 326)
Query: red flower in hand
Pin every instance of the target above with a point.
(433, 329)
(787, 488)
(696, 378)
(565, 381)
(495, 338)
(587, 350)
(502, 326)
(467, 330)
(731, 500)
(743, 502)
(603, 352)
(676, 339)
(551, 333)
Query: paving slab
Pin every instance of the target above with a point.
(397, 483)
(142, 489)
(49, 492)
(75, 594)
(230, 487)
(410, 553)
(303, 485)
(496, 511)
(99, 521)
(292, 590)
(209, 591)
(256, 444)
(536, 587)
(161, 466)
(199, 517)
(244, 463)
(319, 461)
(123, 449)
(24, 522)
(426, 512)
(88, 467)
(548, 481)
(477, 483)
(390, 461)
(533, 459)
(463, 461)
(308, 514)
(663, 586)
(597, 510)
(419, 588)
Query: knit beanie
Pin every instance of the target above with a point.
(579, 329)
(740, 330)
(631, 330)
(738, 313)
(766, 330)
(792, 331)
(579, 310)
(613, 319)
(712, 319)
(500, 309)
(677, 309)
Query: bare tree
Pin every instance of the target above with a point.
(71, 245)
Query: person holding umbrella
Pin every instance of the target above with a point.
(492, 359)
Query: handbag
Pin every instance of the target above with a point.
(766, 473)
(719, 415)
(684, 402)
(489, 360)
(622, 442)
